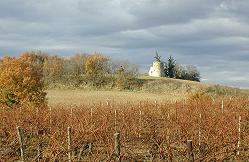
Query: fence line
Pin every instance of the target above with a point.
(190, 124)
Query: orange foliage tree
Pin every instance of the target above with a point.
(78, 64)
(97, 68)
(53, 69)
(21, 80)
(75, 68)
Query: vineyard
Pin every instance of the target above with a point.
(148, 131)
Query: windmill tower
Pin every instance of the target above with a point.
(157, 68)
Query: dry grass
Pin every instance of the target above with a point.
(78, 97)
(180, 87)
(160, 89)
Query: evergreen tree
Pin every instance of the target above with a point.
(170, 67)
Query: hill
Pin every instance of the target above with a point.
(185, 87)
(151, 88)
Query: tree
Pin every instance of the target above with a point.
(189, 72)
(53, 69)
(170, 67)
(78, 63)
(21, 80)
(74, 68)
(97, 68)
(125, 75)
(179, 71)
(192, 73)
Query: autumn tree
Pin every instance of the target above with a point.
(125, 75)
(75, 68)
(78, 63)
(21, 80)
(97, 69)
(53, 70)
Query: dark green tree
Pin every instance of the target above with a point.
(170, 67)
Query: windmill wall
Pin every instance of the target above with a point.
(156, 70)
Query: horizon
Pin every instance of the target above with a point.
(210, 34)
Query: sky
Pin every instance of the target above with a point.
(210, 34)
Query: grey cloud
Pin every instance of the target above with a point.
(37, 11)
(237, 9)
(161, 12)
(212, 34)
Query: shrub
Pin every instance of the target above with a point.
(21, 80)
(53, 70)
(126, 76)
(97, 68)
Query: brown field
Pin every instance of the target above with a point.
(148, 131)
(79, 97)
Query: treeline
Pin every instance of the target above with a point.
(23, 79)
(88, 70)
(178, 71)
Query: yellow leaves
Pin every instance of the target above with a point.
(53, 66)
(96, 63)
(22, 78)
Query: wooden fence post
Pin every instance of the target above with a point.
(239, 132)
(140, 123)
(199, 140)
(91, 127)
(115, 120)
(190, 151)
(20, 139)
(69, 139)
(222, 107)
(20, 115)
(117, 146)
(50, 119)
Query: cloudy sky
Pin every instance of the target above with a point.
(211, 34)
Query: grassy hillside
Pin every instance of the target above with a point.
(184, 87)
(159, 89)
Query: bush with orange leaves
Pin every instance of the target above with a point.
(97, 69)
(21, 80)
